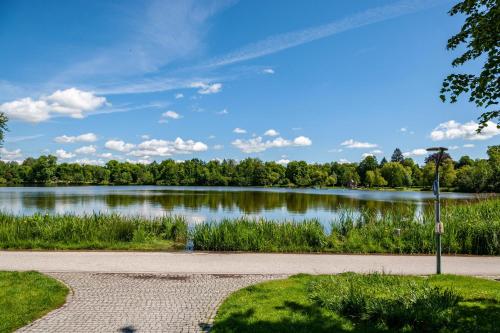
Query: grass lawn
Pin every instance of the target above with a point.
(359, 303)
(26, 296)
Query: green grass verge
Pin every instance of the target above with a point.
(26, 296)
(363, 303)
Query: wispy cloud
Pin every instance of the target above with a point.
(238, 130)
(14, 139)
(285, 41)
(160, 33)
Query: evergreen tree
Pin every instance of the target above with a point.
(397, 156)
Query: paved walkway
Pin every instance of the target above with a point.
(122, 302)
(240, 263)
(180, 292)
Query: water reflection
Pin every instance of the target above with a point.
(200, 204)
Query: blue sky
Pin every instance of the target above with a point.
(90, 81)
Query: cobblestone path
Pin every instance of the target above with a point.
(119, 302)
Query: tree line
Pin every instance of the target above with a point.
(466, 174)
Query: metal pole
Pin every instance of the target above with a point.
(438, 219)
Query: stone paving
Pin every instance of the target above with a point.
(121, 302)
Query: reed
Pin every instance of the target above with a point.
(96, 231)
(472, 228)
(469, 229)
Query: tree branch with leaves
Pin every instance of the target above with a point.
(480, 34)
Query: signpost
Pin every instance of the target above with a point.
(439, 229)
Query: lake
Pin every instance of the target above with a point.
(200, 204)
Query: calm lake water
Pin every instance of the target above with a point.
(200, 204)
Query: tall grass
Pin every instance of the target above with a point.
(469, 229)
(95, 231)
(260, 236)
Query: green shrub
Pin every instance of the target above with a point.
(390, 302)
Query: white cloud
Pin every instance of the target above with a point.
(157, 147)
(179, 96)
(139, 161)
(256, 145)
(145, 136)
(302, 141)
(223, 112)
(372, 153)
(62, 154)
(71, 102)
(106, 155)
(468, 145)
(403, 129)
(416, 152)
(268, 71)
(271, 132)
(211, 136)
(351, 143)
(218, 147)
(90, 161)
(207, 88)
(86, 150)
(239, 130)
(453, 147)
(10, 155)
(451, 130)
(171, 114)
(87, 137)
(336, 150)
(283, 161)
(119, 145)
(343, 161)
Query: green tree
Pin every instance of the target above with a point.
(494, 161)
(297, 173)
(396, 174)
(479, 37)
(447, 173)
(43, 169)
(369, 163)
(374, 178)
(465, 160)
(474, 178)
(347, 174)
(397, 156)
